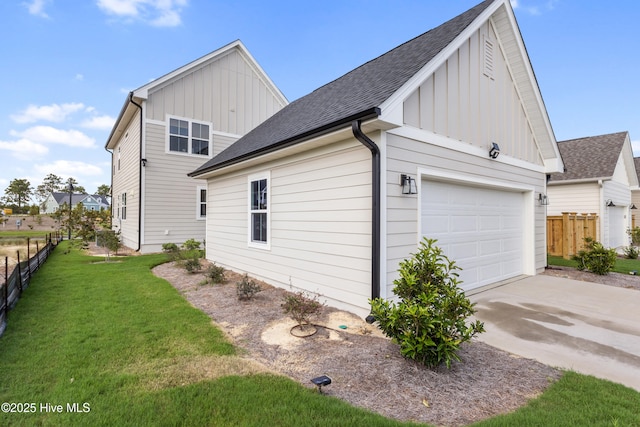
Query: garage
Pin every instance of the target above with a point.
(481, 228)
(617, 226)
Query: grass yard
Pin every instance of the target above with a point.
(623, 265)
(114, 341)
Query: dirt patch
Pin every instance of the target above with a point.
(366, 368)
(620, 280)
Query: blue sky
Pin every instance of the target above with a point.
(67, 66)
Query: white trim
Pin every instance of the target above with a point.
(463, 147)
(199, 202)
(250, 242)
(226, 134)
(528, 216)
(191, 121)
(382, 146)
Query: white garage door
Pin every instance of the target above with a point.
(617, 229)
(479, 228)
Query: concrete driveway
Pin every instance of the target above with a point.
(586, 327)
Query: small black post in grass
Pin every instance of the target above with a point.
(6, 285)
(19, 273)
(28, 259)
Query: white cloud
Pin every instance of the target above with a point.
(51, 135)
(159, 13)
(24, 149)
(536, 9)
(51, 113)
(79, 77)
(69, 168)
(635, 145)
(36, 7)
(99, 122)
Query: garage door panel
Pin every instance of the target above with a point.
(481, 229)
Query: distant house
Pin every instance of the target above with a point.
(598, 178)
(445, 136)
(169, 127)
(55, 200)
(635, 197)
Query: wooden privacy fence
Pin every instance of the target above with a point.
(566, 232)
(13, 284)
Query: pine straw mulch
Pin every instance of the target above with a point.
(366, 368)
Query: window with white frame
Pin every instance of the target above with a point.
(124, 206)
(201, 205)
(259, 210)
(189, 137)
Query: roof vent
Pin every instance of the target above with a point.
(488, 57)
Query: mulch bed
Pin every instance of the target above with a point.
(366, 368)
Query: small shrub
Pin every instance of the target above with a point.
(215, 273)
(247, 288)
(595, 257)
(631, 252)
(191, 244)
(429, 320)
(301, 307)
(172, 250)
(634, 233)
(191, 264)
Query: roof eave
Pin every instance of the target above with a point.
(331, 127)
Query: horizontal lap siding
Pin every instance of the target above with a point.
(170, 195)
(125, 180)
(407, 156)
(320, 224)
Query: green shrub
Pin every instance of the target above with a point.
(247, 288)
(634, 233)
(172, 250)
(428, 322)
(631, 252)
(215, 273)
(595, 257)
(301, 307)
(191, 244)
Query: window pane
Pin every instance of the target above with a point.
(200, 147)
(254, 194)
(203, 209)
(177, 143)
(200, 131)
(259, 227)
(203, 196)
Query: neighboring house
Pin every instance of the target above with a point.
(169, 127)
(599, 174)
(635, 197)
(312, 198)
(55, 200)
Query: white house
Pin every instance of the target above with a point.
(312, 198)
(55, 200)
(169, 127)
(599, 176)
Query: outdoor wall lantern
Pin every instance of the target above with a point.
(610, 203)
(543, 200)
(494, 151)
(633, 206)
(408, 184)
(144, 162)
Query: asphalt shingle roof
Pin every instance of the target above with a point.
(590, 157)
(355, 95)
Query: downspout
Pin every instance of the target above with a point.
(140, 175)
(375, 206)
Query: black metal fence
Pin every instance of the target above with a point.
(16, 281)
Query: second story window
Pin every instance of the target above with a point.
(189, 137)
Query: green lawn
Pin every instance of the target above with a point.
(126, 344)
(623, 265)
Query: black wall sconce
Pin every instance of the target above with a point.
(543, 200)
(408, 184)
(633, 206)
(144, 162)
(610, 203)
(494, 151)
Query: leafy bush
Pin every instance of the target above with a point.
(191, 244)
(192, 265)
(301, 307)
(247, 288)
(595, 257)
(429, 320)
(634, 233)
(631, 252)
(215, 273)
(172, 250)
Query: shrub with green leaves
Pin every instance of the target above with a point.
(429, 320)
(634, 233)
(172, 250)
(247, 288)
(631, 252)
(595, 257)
(214, 273)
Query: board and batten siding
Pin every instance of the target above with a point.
(320, 215)
(461, 102)
(170, 196)
(579, 198)
(126, 180)
(410, 156)
(226, 91)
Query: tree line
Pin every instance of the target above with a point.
(18, 195)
